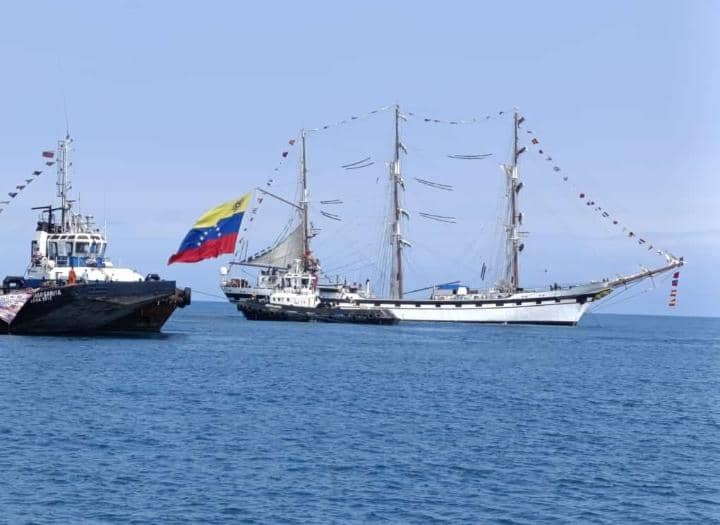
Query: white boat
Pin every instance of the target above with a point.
(506, 302)
(287, 285)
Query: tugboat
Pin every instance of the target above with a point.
(72, 287)
(288, 287)
(296, 297)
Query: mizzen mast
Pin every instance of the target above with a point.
(514, 246)
(398, 185)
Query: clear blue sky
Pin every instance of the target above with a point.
(176, 106)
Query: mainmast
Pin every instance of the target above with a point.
(514, 246)
(304, 204)
(64, 184)
(396, 281)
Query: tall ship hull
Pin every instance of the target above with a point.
(289, 272)
(92, 308)
(565, 307)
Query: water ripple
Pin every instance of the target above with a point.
(227, 421)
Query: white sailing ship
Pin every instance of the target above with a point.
(506, 301)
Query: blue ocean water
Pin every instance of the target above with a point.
(222, 420)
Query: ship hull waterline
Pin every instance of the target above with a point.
(97, 308)
(527, 309)
(259, 311)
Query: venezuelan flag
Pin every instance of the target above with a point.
(214, 233)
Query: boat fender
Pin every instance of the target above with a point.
(187, 297)
(13, 282)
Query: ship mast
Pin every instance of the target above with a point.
(304, 204)
(512, 277)
(396, 280)
(64, 184)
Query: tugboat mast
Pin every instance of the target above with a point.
(304, 204)
(64, 184)
(396, 281)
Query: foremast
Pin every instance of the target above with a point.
(292, 250)
(397, 213)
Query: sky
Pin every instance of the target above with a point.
(178, 106)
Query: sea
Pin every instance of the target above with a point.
(222, 420)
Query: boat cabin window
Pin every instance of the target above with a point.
(64, 248)
(82, 248)
(305, 281)
(52, 250)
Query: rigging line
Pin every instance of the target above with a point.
(361, 166)
(622, 224)
(470, 157)
(473, 120)
(435, 185)
(348, 272)
(619, 296)
(361, 262)
(560, 217)
(439, 218)
(353, 118)
(217, 296)
(623, 301)
(363, 161)
(64, 96)
(463, 265)
(330, 215)
(19, 188)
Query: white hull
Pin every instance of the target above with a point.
(561, 313)
(561, 307)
